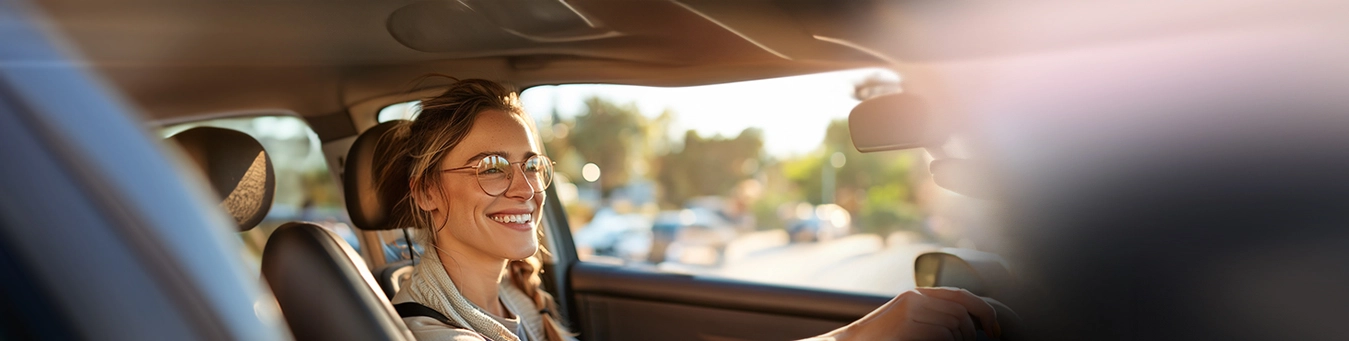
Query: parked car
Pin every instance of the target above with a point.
(823, 222)
(692, 236)
(616, 235)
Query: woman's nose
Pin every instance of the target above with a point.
(519, 187)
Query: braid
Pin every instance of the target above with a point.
(525, 276)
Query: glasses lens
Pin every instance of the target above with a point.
(539, 172)
(494, 174)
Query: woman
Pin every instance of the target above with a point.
(470, 174)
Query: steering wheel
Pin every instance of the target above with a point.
(1010, 322)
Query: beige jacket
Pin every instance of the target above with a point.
(433, 288)
(430, 329)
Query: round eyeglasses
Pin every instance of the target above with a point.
(495, 173)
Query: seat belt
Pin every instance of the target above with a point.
(411, 309)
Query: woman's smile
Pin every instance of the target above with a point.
(522, 220)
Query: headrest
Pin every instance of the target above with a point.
(238, 168)
(368, 209)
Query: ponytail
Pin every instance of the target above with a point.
(525, 276)
(393, 168)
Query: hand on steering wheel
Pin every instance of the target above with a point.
(924, 314)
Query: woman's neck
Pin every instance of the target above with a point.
(477, 278)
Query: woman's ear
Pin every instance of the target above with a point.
(422, 199)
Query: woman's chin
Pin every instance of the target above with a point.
(523, 252)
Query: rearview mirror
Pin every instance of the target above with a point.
(893, 122)
(981, 273)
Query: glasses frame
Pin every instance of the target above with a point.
(510, 176)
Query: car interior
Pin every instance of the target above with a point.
(646, 43)
(335, 65)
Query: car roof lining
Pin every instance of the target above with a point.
(186, 59)
(189, 58)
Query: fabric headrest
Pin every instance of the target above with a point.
(368, 209)
(238, 168)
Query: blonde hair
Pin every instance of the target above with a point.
(413, 149)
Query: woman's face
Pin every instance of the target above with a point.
(475, 223)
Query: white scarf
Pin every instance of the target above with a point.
(432, 287)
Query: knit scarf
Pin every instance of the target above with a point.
(432, 287)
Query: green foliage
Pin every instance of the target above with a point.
(611, 136)
(875, 187)
(708, 166)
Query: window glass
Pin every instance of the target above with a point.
(305, 189)
(752, 180)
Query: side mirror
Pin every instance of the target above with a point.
(893, 122)
(981, 273)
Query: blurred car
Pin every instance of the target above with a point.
(694, 235)
(617, 235)
(820, 223)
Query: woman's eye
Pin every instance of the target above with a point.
(493, 165)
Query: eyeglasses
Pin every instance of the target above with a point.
(495, 175)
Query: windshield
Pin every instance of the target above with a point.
(751, 180)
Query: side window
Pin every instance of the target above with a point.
(755, 181)
(305, 188)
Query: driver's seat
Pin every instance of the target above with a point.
(367, 207)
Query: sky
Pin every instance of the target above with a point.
(792, 111)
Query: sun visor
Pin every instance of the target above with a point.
(893, 122)
(477, 26)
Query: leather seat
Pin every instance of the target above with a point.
(368, 208)
(322, 286)
(324, 289)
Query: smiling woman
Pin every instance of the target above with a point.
(453, 173)
(455, 170)
(737, 180)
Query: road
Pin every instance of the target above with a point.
(859, 263)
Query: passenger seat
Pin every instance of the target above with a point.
(237, 168)
(320, 283)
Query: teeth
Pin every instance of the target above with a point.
(512, 218)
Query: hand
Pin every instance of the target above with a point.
(923, 314)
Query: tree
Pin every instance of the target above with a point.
(610, 136)
(708, 166)
(875, 187)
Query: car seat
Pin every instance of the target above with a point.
(237, 168)
(369, 209)
(320, 283)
